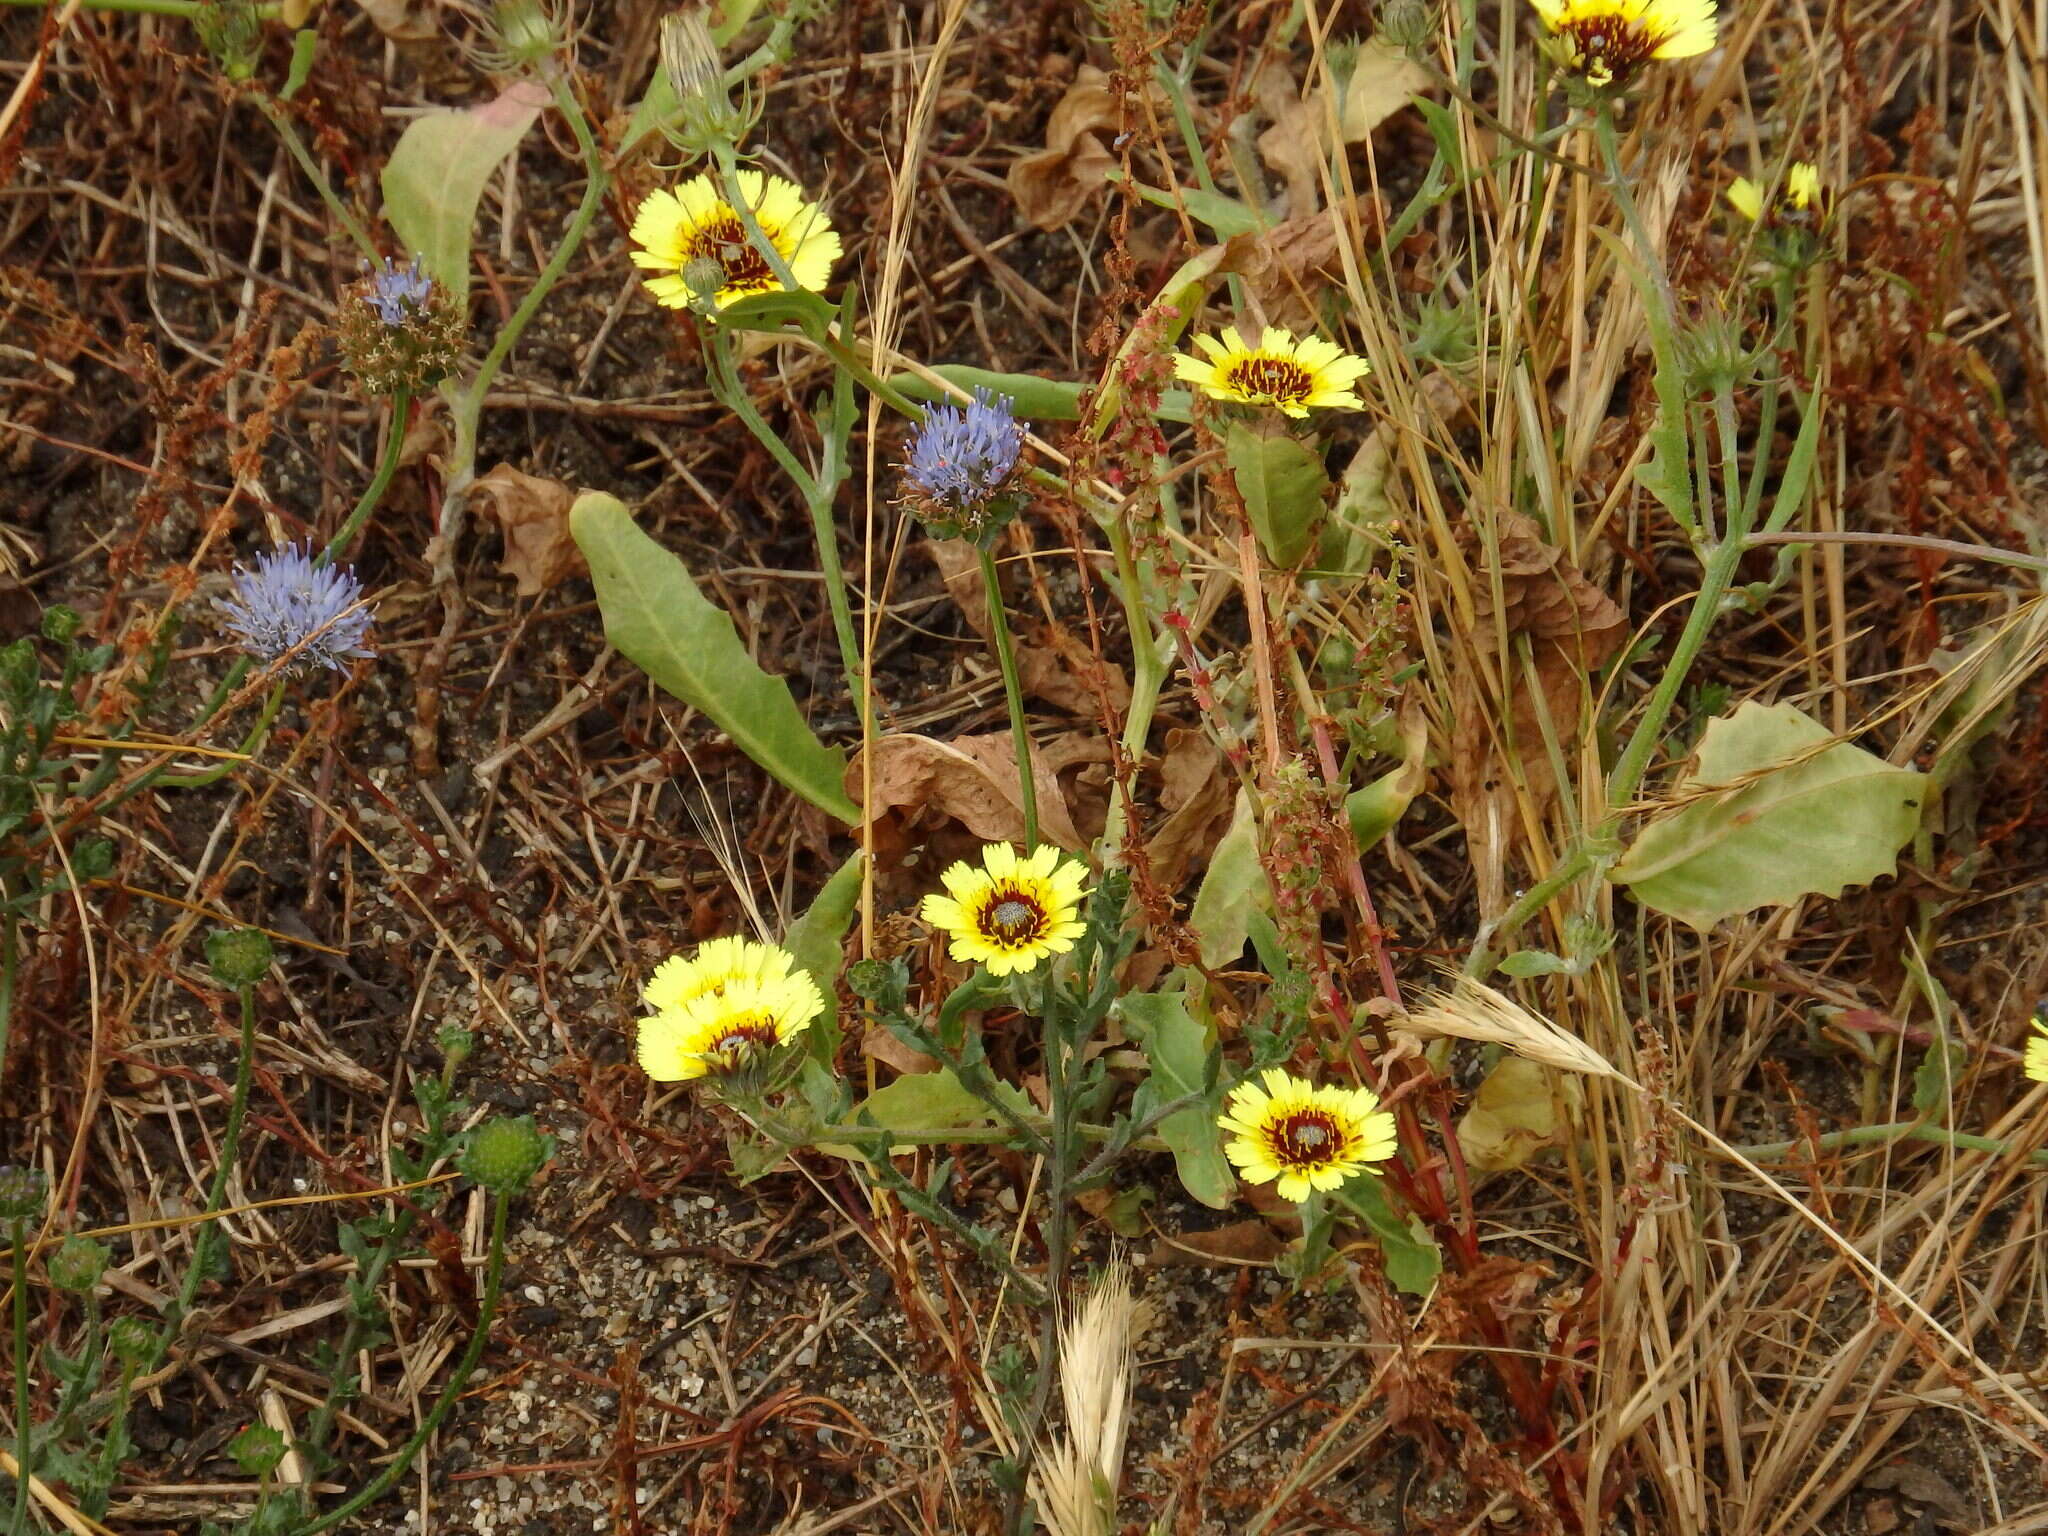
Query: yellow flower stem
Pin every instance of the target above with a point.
(1013, 693)
(296, 148)
(729, 173)
(723, 375)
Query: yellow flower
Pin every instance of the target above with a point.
(1279, 371)
(1308, 1138)
(1803, 195)
(1747, 199)
(2036, 1063)
(1604, 42)
(1012, 912)
(695, 223)
(717, 965)
(718, 1030)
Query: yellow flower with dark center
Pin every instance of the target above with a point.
(1295, 376)
(694, 226)
(1308, 1138)
(1012, 912)
(717, 965)
(720, 1030)
(2036, 1063)
(1803, 197)
(1604, 42)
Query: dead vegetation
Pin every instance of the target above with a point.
(1697, 1298)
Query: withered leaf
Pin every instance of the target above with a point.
(534, 514)
(1053, 186)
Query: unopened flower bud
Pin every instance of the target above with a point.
(77, 1264)
(21, 1193)
(239, 957)
(133, 1341)
(257, 1450)
(505, 1153)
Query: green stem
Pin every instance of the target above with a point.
(487, 1307)
(321, 1425)
(1013, 692)
(597, 181)
(296, 146)
(729, 173)
(8, 949)
(251, 744)
(401, 406)
(24, 1442)
(1881, 1135)
(230, 1144)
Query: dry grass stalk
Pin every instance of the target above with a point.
(1077, 1477)
(1471, 1010)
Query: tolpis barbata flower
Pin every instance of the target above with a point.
(1294, 377)
(1603, 43)
(1011, 912)
(1306, 1137)
(695, 241)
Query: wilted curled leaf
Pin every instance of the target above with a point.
(1381, 82)
(1515, 1115)
(1572, 627)
(1777, 809)
(973, 780)
(1053, 186)
(534, 513)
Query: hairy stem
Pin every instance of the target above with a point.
(1013, 693)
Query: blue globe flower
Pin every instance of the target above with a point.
(288, 608)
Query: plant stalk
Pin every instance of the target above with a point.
(1013, 693)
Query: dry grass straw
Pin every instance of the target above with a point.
(1076, 1477)
(1470, 1010)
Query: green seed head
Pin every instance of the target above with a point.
(21, 1193)
(60, 623)
(257, 1450)
(240, 957)
(505, 1153)
(133, 1341)
(77, 1264)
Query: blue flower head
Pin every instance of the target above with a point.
(288, 607)
(960, 459)
(398, 293)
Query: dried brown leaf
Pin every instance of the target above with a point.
(1053, 186)
(1197, 796)
(1381, 83)
(1250, 1242)
(972, 780)
(534, 515)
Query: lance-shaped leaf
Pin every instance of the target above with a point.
(437, 172)
(657, 618)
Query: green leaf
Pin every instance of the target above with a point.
(1412, 1257)
(1375, 810)
(1232, 887)
(925, 1105)
(438, 170)
(1179, 1049)
(1793, 817)
(305, 44)
(1225, 215)
(1037, 399)
(657, 618)
(1935, 1079)
(1535, 962)
(818, 940)
(1283, 483)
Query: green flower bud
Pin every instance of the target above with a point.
(456, 1044)
(1711, 352)
(505, 1153)
(133, 1341)
(885, 983)
(704, 276)
(93, 858)
(60, 623)
(77, 1264)
(22, 1191)
(232, 32)
(524, 33)
(257, 1450)
(240, 957)
(18, 670)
